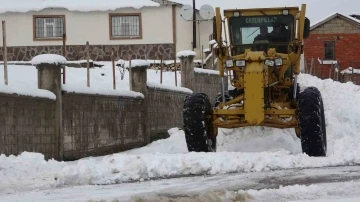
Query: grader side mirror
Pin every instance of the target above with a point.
(306, 28)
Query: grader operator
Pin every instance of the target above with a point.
(263, 62)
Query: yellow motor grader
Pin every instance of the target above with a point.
(261, 56)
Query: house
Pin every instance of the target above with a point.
(143, 29)
(333, 41)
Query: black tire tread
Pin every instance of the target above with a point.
(196, 126)
(312, 122)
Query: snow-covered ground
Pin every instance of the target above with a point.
(254, 149)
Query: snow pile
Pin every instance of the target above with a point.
(49, 59)
(71, 5)
(23, 81)
(27, 169)
(301, 193)
(185, 53)
(276, 149)
(252, 149)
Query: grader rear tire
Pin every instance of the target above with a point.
(312, 123)
(197, 125)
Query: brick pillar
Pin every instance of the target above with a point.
(49, 78)
(187, 69)
(138, 83)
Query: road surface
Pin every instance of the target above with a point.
(191, 188)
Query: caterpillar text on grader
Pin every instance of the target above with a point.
(263, 62)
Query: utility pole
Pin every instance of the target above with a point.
(194, 25)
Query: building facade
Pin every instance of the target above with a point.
(335, 40)
(146, 32)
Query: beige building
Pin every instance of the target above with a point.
(145, 31)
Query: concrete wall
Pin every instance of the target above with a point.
(209, 84)
(93, 125)
(27, 124)
(96, 125)
(164, 111)
(355, 78)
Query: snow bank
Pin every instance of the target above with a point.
(185, 53)
(166, 87)
(27, 169)
(49, 59)
(23, 81)
(252, 149)
(324, 192)
(275, 148)
(71, 5)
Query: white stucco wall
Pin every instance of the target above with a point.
(185, 34)
(157, 28)
(90, 26)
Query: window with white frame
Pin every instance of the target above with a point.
(125, 26)
(48, 27)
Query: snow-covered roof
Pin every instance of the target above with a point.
(348, 18)
(72, 5)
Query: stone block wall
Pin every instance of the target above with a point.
(164, 111)
(209, 84)
(97, 125)
(355, 78)
(93, 125)
(27, 124)
(97, 52)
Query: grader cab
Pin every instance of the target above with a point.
(261, 58)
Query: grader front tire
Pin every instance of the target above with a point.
(197, 124)
(312, 123)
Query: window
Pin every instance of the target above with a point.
(49, 27)
(125, 26)
(329, 50)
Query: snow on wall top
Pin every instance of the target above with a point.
(134, 63)
(185, 53)
(49, 59)
(72, 5)
(350, 70)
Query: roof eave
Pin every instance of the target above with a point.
(333, 17)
